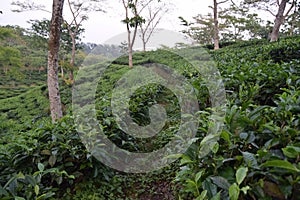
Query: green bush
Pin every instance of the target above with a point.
(257, 156)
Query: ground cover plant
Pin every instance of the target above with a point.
(257, 156)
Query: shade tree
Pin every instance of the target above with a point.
(279, 9)
(53, 50)
(292, 24)
(144, 15)
(132, 20)
(78, 10)
(152, 14)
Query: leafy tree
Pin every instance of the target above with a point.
(5, 33)
(201, 30)
(32, 56)
(234, 22)
(132, 20)
(79, 10)
(216, 22)
(241, 24)
(279, 9)
(54, 42)
(10, 54)
(27, 5)
(40, 34)
(292, 23)
(10, 58)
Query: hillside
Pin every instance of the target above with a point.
(256, 157)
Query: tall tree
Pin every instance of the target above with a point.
(201, 30)
(53, 45)
(242, 24)
(292, 23)
(280, 16)
(79, 11)
(153, 14)
(39, 31)
(132, 21)
(277, 9)
(10, 58)
(216, 23)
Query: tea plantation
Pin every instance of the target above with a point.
(256, 157)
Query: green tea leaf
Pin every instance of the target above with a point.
(198, 176)
(20, 175)
(291, 151)
(19, 198)
(41, 167)
(241, 174)
(245, 189)
(52, 160)
(30, 180)
(234, 192)
(220, 182)
(202, 195)
(209, 187)
(216, 197)
(250, 160)
(36, 190)
(281, 164)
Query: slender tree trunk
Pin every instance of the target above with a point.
(53, 49)
(130, 44)
(216, 26)
(278, 21)
(130, 57)
(143, 37)
(144, 43)
(62, 72)
(130, 63)
(71, 73)
(293, 22)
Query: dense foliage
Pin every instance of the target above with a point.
(257, 156)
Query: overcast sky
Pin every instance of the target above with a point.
(103, 26)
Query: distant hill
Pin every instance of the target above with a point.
(160, 37)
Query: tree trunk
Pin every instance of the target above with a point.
(130, 64)
(216, 26)
(144, 45)
(278, 21)
(53, 48)
(129, 49)
(143, 37)
(130, 58)
(294, 20)
(62, 73)
(71, 75)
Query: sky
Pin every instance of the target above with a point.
(101, 27)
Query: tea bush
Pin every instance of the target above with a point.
(256, 157)
(45, 162)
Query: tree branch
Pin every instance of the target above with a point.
(221, 2)
(28, 6)
(293, 4)
(268, 10)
